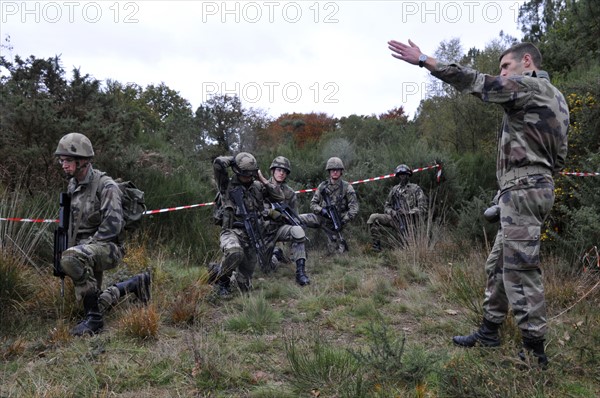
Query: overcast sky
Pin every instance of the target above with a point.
(280, 56)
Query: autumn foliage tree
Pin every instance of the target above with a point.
(298, 128)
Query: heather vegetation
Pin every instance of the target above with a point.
(370, 324)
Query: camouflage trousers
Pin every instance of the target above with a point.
(288, 233)
(238, 254)
(314, 221)
(377, 223)
(514, 276)
(86, 263)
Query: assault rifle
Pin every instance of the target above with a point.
(251, 226)
(290, 215)
(334, 216)
(61, 238)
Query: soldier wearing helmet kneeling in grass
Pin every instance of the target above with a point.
(96, 234)
(405, 205)
(242, 201)
(342, 203)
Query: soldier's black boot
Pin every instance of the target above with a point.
(486, 336)
(93, 321)
(536, 347)
(376, 247)
(301, 277)
(139, 285)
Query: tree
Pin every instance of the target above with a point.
(302, 128)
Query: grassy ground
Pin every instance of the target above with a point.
(369, 325)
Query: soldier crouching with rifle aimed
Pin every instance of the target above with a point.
(334, 204)
(283, 223)
(243, 199)
(89, 239)
(405, 205)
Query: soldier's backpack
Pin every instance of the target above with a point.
(132, 200)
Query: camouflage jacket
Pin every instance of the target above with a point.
(290, 199)
(533, 138)
(255, 194)
(342, 195)
(407, 199)
(95, 216)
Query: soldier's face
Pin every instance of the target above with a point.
(279, 174)
(510, 66)
(335, 174)
(403, 179)
(68, 164)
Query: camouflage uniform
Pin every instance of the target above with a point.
(342, 196)
(278, 230)
(95, 241)
(405, 204)
(532, 145)
(238, 252)
(95, 236)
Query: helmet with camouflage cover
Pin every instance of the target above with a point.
(281, 162)
(403, 169)
(245, 164)
(334, 163)
(75, 145)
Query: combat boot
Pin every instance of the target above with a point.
(224, 286)
(536, 347)
(301, 277)
(486, 336)
(93, 321)
(139, 285)
(376, 246)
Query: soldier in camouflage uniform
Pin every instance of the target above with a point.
(405, 205)
(343, 197)
(238, 251)
(278, 228)
(532, 146)
(95, 234)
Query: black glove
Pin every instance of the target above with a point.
(325, 213)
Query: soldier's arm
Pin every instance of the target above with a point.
(111, 212)
(315, 202)
(352, 203)
(220, 166)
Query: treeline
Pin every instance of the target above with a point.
(153, 136)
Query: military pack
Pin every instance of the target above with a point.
(132, 201)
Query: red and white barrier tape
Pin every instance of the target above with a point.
(169, 209)
(579, 174)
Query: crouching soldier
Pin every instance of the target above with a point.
(333, 205)
(243, 205)
(283, 224)
(406, 204)
(95, 234)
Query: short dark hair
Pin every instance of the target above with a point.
(519, 51)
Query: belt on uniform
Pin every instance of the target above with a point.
(521, 172)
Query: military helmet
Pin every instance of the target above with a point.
(245, 164)
(75, 145)
(403, 169)
(334, 163)
(281, 162)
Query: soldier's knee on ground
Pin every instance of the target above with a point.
(233, 258)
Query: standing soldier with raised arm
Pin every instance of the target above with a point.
(283, 224)
(405, 205)
(532, 146)
(243, 199)
(333, 205)
(95, 234)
